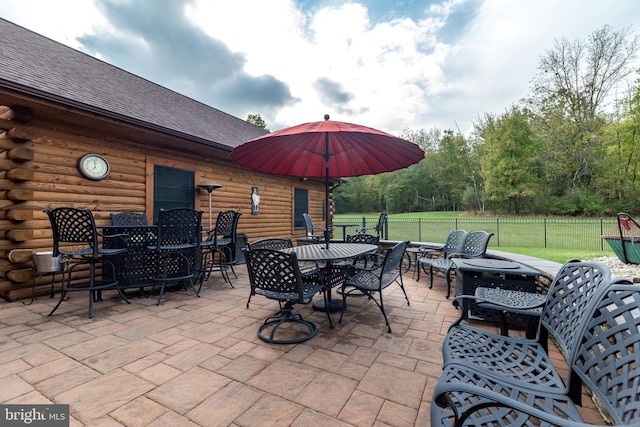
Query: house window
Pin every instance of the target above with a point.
(300, 206)
(172, 188)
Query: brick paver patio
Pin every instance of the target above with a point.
(198, 362)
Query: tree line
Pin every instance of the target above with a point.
(571, 147)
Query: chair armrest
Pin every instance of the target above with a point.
(488, 401)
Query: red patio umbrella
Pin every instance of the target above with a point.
(327, 149)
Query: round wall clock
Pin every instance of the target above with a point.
(94, 166)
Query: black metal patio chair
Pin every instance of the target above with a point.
(452, 244)
(219, 247)
(604, 359)
(370, 282)
(177, 248)
(474, 245)
(369, 261)
(575, 285)
(276, 275)
(379, 228)
(310, 230)
(76, 238)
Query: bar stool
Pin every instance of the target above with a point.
(177, 247)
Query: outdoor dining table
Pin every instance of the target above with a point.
(335, 252)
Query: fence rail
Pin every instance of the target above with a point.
(554, 233)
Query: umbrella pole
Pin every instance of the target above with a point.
(327, 230)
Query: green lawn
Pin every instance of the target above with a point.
(565, 238)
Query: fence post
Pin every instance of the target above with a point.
(545, 232)
(498, 231)
(601, 233)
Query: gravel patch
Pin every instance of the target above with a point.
(620, 269)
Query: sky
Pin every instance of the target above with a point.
(393, 65)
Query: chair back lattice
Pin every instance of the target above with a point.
(179, 226)
(454, 241)
(475, 243)
(274, 274)
(368, 239)
(608, 357)
(224, 223)
(73, 226)
(129, 219)
(568, 301)
(234, 236)
(390, 271)
(271, 243)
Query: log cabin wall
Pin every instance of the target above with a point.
(38, 170)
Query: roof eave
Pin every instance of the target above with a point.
(109, 114)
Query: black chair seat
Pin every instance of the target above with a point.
(308, 291)
(369, 280)
(217, 242)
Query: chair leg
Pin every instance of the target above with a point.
(430, 277)
(286, 314)
(222, 265)
(116, 283)
(228, 250)
(164, 279)
(370, 295)
(344, 302)
(381, 306)
(403, 291)
(193, 287)
(63, 293)
(448, 276)
(327, 308)
(224, 268)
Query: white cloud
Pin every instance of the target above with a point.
(442, 68)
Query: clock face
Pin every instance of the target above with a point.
(94, 166)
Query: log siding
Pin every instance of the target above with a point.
(38, 166)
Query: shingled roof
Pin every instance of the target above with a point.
(38, 66)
